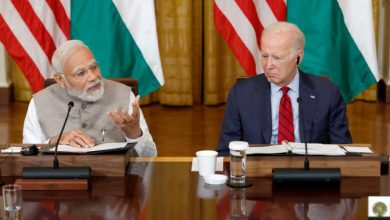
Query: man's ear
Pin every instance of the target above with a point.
(59, 78)
(299, 56)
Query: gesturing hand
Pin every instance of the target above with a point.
(128, 123)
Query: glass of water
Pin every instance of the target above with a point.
(238, 161)
(12, 200)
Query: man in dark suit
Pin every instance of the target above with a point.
(264, 109)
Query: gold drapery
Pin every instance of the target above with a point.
(198, 66)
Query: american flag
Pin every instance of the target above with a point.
(31, 30)
(241, 22)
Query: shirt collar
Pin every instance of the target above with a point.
(293, 85)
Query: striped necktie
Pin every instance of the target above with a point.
(286, 124)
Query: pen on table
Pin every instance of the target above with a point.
(103, 131)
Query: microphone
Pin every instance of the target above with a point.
(55, 160)
(306, 163)
(56, 172)
(311, 177)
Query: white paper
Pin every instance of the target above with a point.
(219, 167)
(299, 148)
(100, 147)
(11, 150)
(358, 149)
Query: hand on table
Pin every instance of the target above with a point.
(75, 138)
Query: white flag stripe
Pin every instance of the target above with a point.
(46, 15)
(66, 5)
(25, 37)
(243, 28)
(136, 21)
(357, 20)
(265, 13)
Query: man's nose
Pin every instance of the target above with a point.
(269, 63)
(92, 75)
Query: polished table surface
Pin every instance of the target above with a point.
(165, 188)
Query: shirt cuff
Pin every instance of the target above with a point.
(129, 140)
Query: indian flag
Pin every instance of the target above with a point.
(340, 41)
(121, 33)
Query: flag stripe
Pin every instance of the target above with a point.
(278, 7)
(66, 5)
(16, 50)
(46, 15)
(249, 10)
(61, 17)
(240, 50)
(265, 13)
(25, 38)
(36, 27)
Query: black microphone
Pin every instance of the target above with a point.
(306, 163)
(55, 160)
(56, 172)
(306, 177)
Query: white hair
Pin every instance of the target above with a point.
(62, 53)
(297, 36)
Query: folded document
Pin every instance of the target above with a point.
(299, 149)
(101, 148)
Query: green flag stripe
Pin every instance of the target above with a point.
(330, 49)
(99, 25)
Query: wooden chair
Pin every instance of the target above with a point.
(132, 82)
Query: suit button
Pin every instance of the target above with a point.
(83, 106)
(83, 125)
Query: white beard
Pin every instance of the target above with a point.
(84, 95)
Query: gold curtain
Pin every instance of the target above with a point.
(198, 66)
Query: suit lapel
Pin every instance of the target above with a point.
(309, 102)
(261, 99)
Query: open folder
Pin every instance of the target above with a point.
(299, 149)
(120, 147)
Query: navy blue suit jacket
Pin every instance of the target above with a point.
(248, 112)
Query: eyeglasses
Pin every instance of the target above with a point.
(81, 73)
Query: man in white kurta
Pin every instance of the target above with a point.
(104, 111)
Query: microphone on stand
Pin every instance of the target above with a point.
(55, 160)
(306, 163)
(307, 176)
(56, 172)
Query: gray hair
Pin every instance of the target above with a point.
(297, 36)
(62, 53)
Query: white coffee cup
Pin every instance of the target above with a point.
(207, 160)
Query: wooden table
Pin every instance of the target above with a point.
(165, 188)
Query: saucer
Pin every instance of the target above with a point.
(215, 179)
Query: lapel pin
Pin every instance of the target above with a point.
(312, 96)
